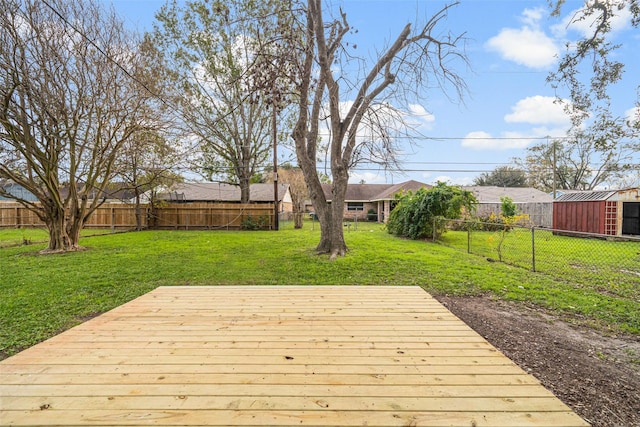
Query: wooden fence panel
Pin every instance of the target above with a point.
(117, 216)
(177, 216)
(15, 215)
(210, 216)
(541, 214)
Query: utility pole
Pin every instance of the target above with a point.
(274, 114)
(554, 170)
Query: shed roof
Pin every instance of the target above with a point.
(492, 194)
(219, 192)
(586, 196)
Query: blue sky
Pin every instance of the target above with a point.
(512, 45)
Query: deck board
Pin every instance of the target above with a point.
(300, 355)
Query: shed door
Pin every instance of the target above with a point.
(631, 218)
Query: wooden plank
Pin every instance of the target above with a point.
(289, 403)
(266, 378)
(253, 345)
(274, 356)
(200, 369)
(270, 390)
(268, 417)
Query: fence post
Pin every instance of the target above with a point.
(533, 249)
(113, 219)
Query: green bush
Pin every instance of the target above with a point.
(255, 223)
(507, 207)
(414, 214)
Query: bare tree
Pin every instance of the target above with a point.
(411, 64)
(147, 161)
(294, 177)
(149, 158)
(214, 49)
(578, 162)
(67, 106)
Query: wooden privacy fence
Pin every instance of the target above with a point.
(176, 216)
(540, 213)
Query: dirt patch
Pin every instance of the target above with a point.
(597, 376)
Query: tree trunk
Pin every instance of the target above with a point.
(330, 216)
(74, 226)
(245, 193)
(298, 220)
(338, 246)
(138, 210)
(59, 240)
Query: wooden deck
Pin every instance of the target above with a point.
(324, 356)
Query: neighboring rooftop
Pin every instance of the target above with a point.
(219, 192)
(492, 194)
(375, 192)
(586, 196)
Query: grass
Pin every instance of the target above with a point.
(610, 267)
(42, 295)
(27, 236)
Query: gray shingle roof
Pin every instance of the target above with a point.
(492, 194)
(374, 192)
(218, 192)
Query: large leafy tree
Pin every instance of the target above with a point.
(73, 90)
(588, 69)
(502, 176)
(215, 49)
(411, 64)
(578, 162)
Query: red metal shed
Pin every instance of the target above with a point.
(612, 213)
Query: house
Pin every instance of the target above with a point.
(214, 192)
(535, 203)
(610, 212)
(11, 188)
(115, 192)
(360, 199)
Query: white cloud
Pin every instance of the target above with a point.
(532, 17)
(633, 115)
(538, 110)
(528, 45)
(424, 117)
(534, 110)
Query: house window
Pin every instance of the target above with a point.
(355, 206)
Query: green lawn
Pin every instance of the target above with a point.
(606, 266)
(21, 236)
(42, 295)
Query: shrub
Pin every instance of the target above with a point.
(254, 223)
(507, 207)
(414, 214)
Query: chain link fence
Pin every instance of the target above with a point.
(608, 263)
